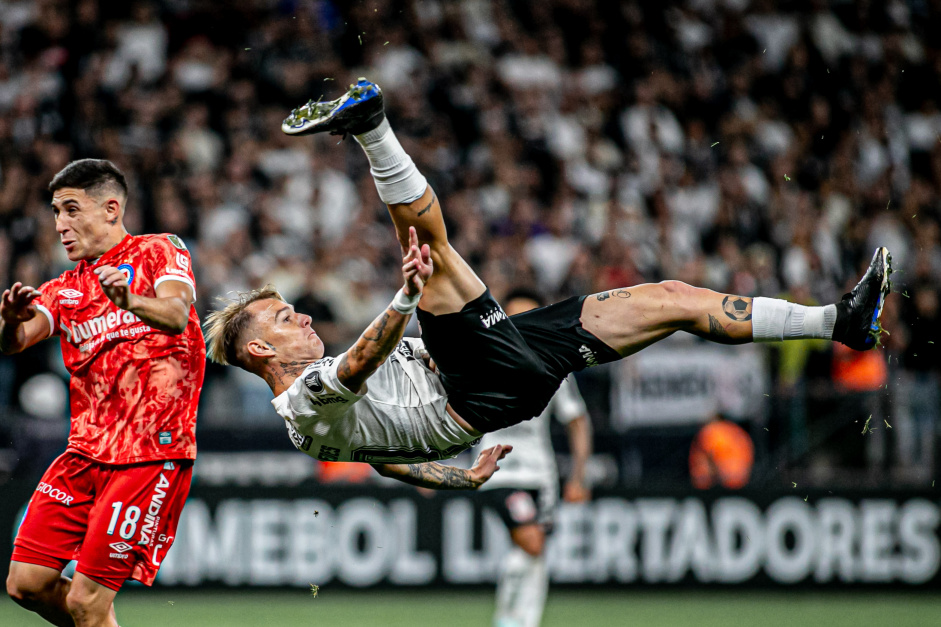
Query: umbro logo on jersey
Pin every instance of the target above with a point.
(70, 297)
(492, 317)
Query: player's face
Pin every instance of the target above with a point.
(286, 330)
(85, 223)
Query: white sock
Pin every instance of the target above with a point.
(521, 590)
(397, 179)
(774, 320)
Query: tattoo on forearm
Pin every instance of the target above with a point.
(344, 372)
(428, 206)
(603, 296)
(622, 293)
(737, 308)
(373, 346)
(440, 477)
(715, 328)
(378, 327)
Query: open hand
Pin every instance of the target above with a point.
(114, 285)
(417, 266)
(486, 463)
(16, 305)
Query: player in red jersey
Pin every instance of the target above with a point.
(130, 338)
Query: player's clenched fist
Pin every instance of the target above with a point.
(16, 304)
(114, 284)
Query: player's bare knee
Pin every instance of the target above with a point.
(83, 602)
(15, 590)
(681, 298)
(28, 590)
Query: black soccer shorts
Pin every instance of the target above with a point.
(499, 371)
(518, 507)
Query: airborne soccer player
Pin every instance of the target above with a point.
(130, 339)
(380, 402)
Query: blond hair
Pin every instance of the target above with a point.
(224, 327)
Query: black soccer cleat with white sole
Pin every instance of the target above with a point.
(357, 111)
(857, 318)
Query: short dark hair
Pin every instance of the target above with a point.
(90, 175)
(525, 292)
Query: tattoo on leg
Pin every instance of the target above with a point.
(622, 293)
(715, 327)
(737, 308)
(428, 206)
(603, 296)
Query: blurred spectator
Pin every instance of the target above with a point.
(722, 455)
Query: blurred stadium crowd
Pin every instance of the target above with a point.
(753, 147)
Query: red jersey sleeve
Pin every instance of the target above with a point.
(167, 259)
(48, 304)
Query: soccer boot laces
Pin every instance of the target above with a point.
(357, 111)
(857, 321)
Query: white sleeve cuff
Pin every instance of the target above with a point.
(52, 325)
(173, 277)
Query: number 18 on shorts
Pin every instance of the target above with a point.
(118, 522)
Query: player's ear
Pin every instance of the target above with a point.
(113, 209)
(260, 349)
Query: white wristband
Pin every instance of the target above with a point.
(405, 304)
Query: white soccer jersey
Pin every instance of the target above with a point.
(402, 417)
(531, 465)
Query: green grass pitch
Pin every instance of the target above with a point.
(595, 608)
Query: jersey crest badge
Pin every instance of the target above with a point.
(313, 382)
(176, 241)
(128, 271)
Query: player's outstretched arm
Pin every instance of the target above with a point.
(168, 311)
(440, 477)
(21, 325)
(378, 341)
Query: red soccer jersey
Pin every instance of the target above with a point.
(134, 389)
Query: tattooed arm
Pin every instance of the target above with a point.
(378, 341)
(440, 477)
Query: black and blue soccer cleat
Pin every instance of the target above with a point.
(857, 319)
(357, 111)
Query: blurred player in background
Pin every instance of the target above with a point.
(130, 339)
(525, 492)
(492, 371)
